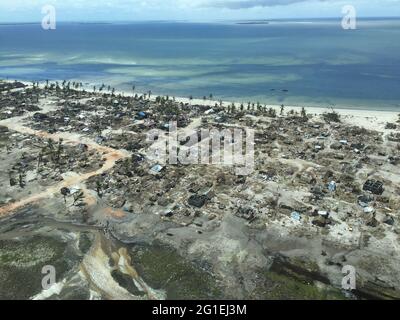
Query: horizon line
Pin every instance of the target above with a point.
(200, 21)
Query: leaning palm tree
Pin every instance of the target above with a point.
(78, 198)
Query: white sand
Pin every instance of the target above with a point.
(369, 119)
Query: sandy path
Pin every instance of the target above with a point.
(110, 155)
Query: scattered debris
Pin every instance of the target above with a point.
(374, 186)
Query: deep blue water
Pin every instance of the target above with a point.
(319, 63)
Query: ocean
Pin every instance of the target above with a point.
(308, 63)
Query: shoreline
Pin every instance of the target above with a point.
(371, 119)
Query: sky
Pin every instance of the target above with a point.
(190, 10)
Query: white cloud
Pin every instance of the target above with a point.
(19, 10)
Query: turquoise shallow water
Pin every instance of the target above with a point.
(310, 63)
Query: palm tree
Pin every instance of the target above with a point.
(99, 187)
(78, 198)
(65, 192)
(39, 160)
(59, 150)
(50, 145)
(12, 180)
(303, 113)
(21, 179)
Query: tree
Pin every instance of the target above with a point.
(13, 182)
(303, 113)
(99, 188)
(78, 198)
(21, 179)
(59, 150)
(331, 116)
(271, 113)
(50, 145)
(39, 160)
(65, 193)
